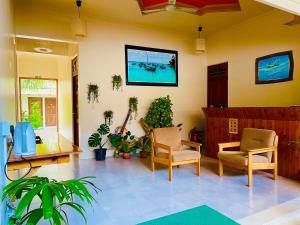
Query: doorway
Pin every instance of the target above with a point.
(217, 85)
(75, 101)
(38, 98)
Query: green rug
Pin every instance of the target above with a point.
(202, 215)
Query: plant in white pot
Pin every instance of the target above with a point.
(96, 140)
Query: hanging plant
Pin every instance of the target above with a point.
(108, 115)
(133, 103)
(117, 82)
(93, 93)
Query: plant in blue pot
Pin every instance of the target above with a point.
(96, 141)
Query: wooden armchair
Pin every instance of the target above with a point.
(166, 149)
(258, 151)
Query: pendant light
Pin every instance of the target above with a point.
(200, 42)
(79, 24)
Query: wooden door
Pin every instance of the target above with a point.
(75, 101)
(50, 112)
(217, 85)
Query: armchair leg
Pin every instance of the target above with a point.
(198, 168)
(152, 166)
(170, 173)
(275, 173)
(220, 168)
(250, 180)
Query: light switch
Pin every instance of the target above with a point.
(233, 126)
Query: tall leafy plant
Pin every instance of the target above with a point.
(54, 197)
(160, 113)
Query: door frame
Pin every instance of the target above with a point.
(20, 96)
(74, 73)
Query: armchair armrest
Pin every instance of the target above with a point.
(191, 144)
(260, 150)
(165, 147)
(228, 145)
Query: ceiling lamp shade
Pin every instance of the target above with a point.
(79, 24)
(79, 27)
(198, 7)
(200, 42)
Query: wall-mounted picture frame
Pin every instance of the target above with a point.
(274, 68)
(151, 66)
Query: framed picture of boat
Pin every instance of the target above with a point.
(151, 66)
(278, 67)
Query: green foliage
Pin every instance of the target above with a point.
(133, 103)
(25, 116)
(36, 117)
(93, 93)
(108, 115)
(54, 197)
(144, 143)
(160, 113)
(117, 81)
(123, 142)
(96, 139)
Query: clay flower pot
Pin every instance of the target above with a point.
(143, 154)
(126, 155)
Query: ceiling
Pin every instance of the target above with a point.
(58, 48)
(128, 11)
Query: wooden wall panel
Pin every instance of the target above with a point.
(283, 120)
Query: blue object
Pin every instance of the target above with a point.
(24, 140)
(4, 133)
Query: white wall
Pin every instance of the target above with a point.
(7, 63)
(240, 45)
(55, 67)
(102, 54)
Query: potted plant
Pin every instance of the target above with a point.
(133, 103)
(93, 93)
(128, 143)
(108, 115)
(96, 141)
(54, 198)
(144, 145)
(115, 141)
(117, 82)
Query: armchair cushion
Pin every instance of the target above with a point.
(178, 156)
(253, 138)
(168, 136)
(241, 158)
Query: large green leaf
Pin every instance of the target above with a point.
(26, 200)
(103, 129)
(94, 140)
(47, 202)
(78, 208)
(35, 216)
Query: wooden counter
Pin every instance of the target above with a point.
(50, 152)
(285, 121)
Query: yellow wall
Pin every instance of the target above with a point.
(102, 54)
(56, 67)
(242, 44)
(7, 63)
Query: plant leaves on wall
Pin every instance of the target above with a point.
(93, 93)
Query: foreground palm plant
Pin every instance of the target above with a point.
(54, 198)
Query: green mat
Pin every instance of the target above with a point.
(202, 215)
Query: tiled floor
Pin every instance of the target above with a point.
(131, 193)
